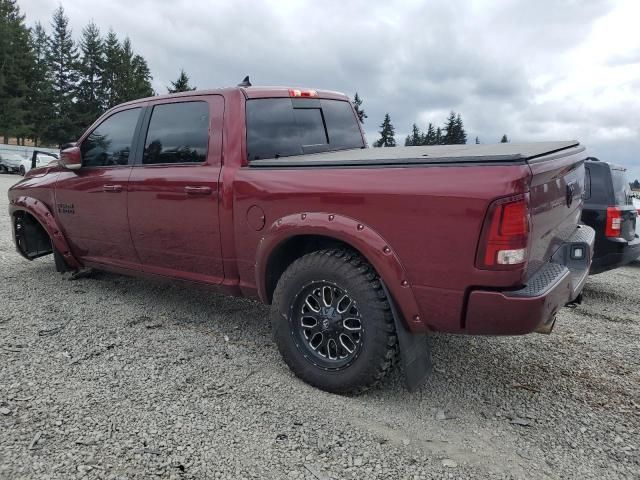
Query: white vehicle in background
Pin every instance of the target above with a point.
(40, 158)
(10, 162)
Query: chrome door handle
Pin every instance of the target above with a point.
(112, 188)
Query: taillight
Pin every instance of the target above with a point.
(614, 222)
(505, 234)
(294, 92)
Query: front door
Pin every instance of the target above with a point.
(173, 189)
(91, 203)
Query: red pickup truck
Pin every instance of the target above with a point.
(271, 193)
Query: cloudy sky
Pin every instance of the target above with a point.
(535, 70)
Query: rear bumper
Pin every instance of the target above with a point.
(533, 308)
(619, 254)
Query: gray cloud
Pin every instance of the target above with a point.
(506, 66)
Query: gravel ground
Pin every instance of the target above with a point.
(115, 377)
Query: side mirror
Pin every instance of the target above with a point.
(70, 158)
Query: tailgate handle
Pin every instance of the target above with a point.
(112, 188)
(193, 190)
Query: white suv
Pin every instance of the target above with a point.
(42, 159)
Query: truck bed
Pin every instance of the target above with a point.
(501, 153)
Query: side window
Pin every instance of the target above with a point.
(178, 133)
(587, 183)
(110, 143)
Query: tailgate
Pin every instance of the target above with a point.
(556, 198)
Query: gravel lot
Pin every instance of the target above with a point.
(115, 377)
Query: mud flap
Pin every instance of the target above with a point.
(415, 350)
(61, 265)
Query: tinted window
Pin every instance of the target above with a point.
(342, 125)
(178, 133)
(310, 126)
(587, 183)
(621, 188)
(110, 143)
(280, 127)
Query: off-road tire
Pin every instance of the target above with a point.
(378, 351)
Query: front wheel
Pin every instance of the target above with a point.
(332, 322)
(23, 172)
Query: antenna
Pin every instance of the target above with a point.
(245, 82)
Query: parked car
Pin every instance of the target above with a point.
(10, 162)
(270, 193)
(636, 203)
(610, 211)
(38, 159)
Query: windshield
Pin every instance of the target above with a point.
(281, 127)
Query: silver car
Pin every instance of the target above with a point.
(10, 162)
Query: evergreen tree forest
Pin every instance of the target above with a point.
(53, 87)
(452, 133)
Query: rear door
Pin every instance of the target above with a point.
(91, 203)
(174, 189)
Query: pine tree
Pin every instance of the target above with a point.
(414, 138)
(357, 105)
(449, 129)
(439, 138)
(460, 136)
(430, 137)
(16, 69)
(141, 84)
(63, 63)
(387, 133)
(111, 72)
(504, 139)
(477, 141)
(40, 97)
(91, 68)
(181, 84)
(125, 80)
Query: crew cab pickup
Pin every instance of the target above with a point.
(271, 193)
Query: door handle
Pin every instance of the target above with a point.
(197, 190)
(112, 188)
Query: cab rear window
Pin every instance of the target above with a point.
(282, 127)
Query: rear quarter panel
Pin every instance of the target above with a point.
(431, 218)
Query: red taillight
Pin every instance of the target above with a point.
(505, 234)
(614, 222)
(294, 92)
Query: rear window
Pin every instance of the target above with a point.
(281, 127)
(621, 187)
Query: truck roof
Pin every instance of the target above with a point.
(437, 154)
(249, 92)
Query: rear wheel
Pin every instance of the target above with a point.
(332, 322)
(23, 172)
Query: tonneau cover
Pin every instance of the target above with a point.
(438, 154)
